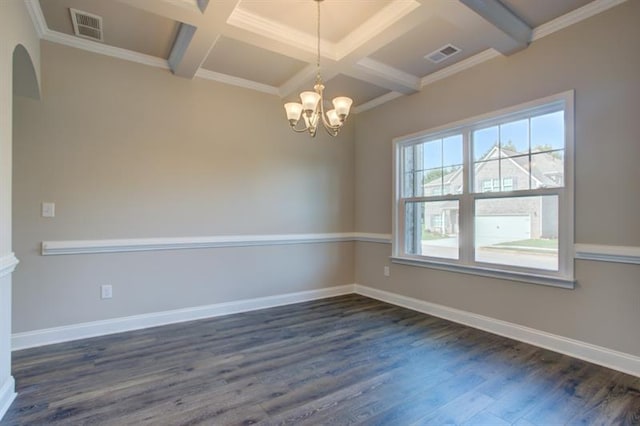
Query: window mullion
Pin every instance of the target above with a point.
(466, 202)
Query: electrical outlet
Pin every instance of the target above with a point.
(106, 291)
(386, 271)
(48, 209)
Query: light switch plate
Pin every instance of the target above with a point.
(48, 209)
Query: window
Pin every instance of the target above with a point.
(491, 195)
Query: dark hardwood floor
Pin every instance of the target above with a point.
(343, 360)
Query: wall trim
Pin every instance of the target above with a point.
(236, 81)
(7, 395)
(181, 243)
(573, 17)
(609, 358)
(8, 264)
(372, 237)
(48, 336)
(606, 253)
(599, 252)
(471, 61)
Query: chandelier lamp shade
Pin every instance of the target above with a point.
(311, 107)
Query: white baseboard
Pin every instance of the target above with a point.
(609, 358)
(7, 395)
(49, 336)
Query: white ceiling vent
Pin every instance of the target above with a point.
(86, 25)
(443, 53)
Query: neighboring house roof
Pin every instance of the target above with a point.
(543, 166)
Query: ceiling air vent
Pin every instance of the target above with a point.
(86, 25)
(443, 53)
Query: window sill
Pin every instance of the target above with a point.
(488, 272)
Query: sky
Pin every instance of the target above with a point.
(547, 129)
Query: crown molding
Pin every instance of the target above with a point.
(192, 5)
(103, 49)
(376, 102)
(573, 17)
(35, 11)
(236, 81)
(266, 27)
(459, 66)
(386, 17)
(387, 72)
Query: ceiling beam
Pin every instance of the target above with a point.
(517, 31)
(201, 25)
(178, 11)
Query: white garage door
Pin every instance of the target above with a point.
(501, 229)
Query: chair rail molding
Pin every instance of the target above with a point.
(607, 253)
(181, 243)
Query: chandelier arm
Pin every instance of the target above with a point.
(312, 121)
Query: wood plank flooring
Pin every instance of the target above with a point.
(343, 360)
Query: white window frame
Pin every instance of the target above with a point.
(564, 277)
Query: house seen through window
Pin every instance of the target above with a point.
(490, 193)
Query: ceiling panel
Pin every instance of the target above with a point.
(338, 17)
(232, 57)
(124, 26)
(360, 91)
(407, 52)
(538, 12)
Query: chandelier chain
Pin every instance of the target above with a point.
(318, 34)
(311, 110)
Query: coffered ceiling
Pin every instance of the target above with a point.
(372, 50)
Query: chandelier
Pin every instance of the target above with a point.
(312, 107)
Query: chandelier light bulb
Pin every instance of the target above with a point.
(309, 101)
(294, 110)
(342, 104)
(333, 118)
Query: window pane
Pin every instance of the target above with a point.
(486, 176)
(408, 156)
(547, 132)
(452, 180)
(516, 169)
(548, 169)
(514, 138)
(432, 154)
(433, 182)
(484, 141)
(452, 150)
(518, 231)
(431, 229)
(407, 184)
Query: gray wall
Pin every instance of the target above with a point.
(130, 151)
(600, 59)
(18, 36)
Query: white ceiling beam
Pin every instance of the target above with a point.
(201, 24)
(351, 53)
(183, 12)
(383, 75)
(517, 31)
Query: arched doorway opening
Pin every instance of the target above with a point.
(18, 77)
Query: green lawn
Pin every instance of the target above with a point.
(426, 235)
(539, 243)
